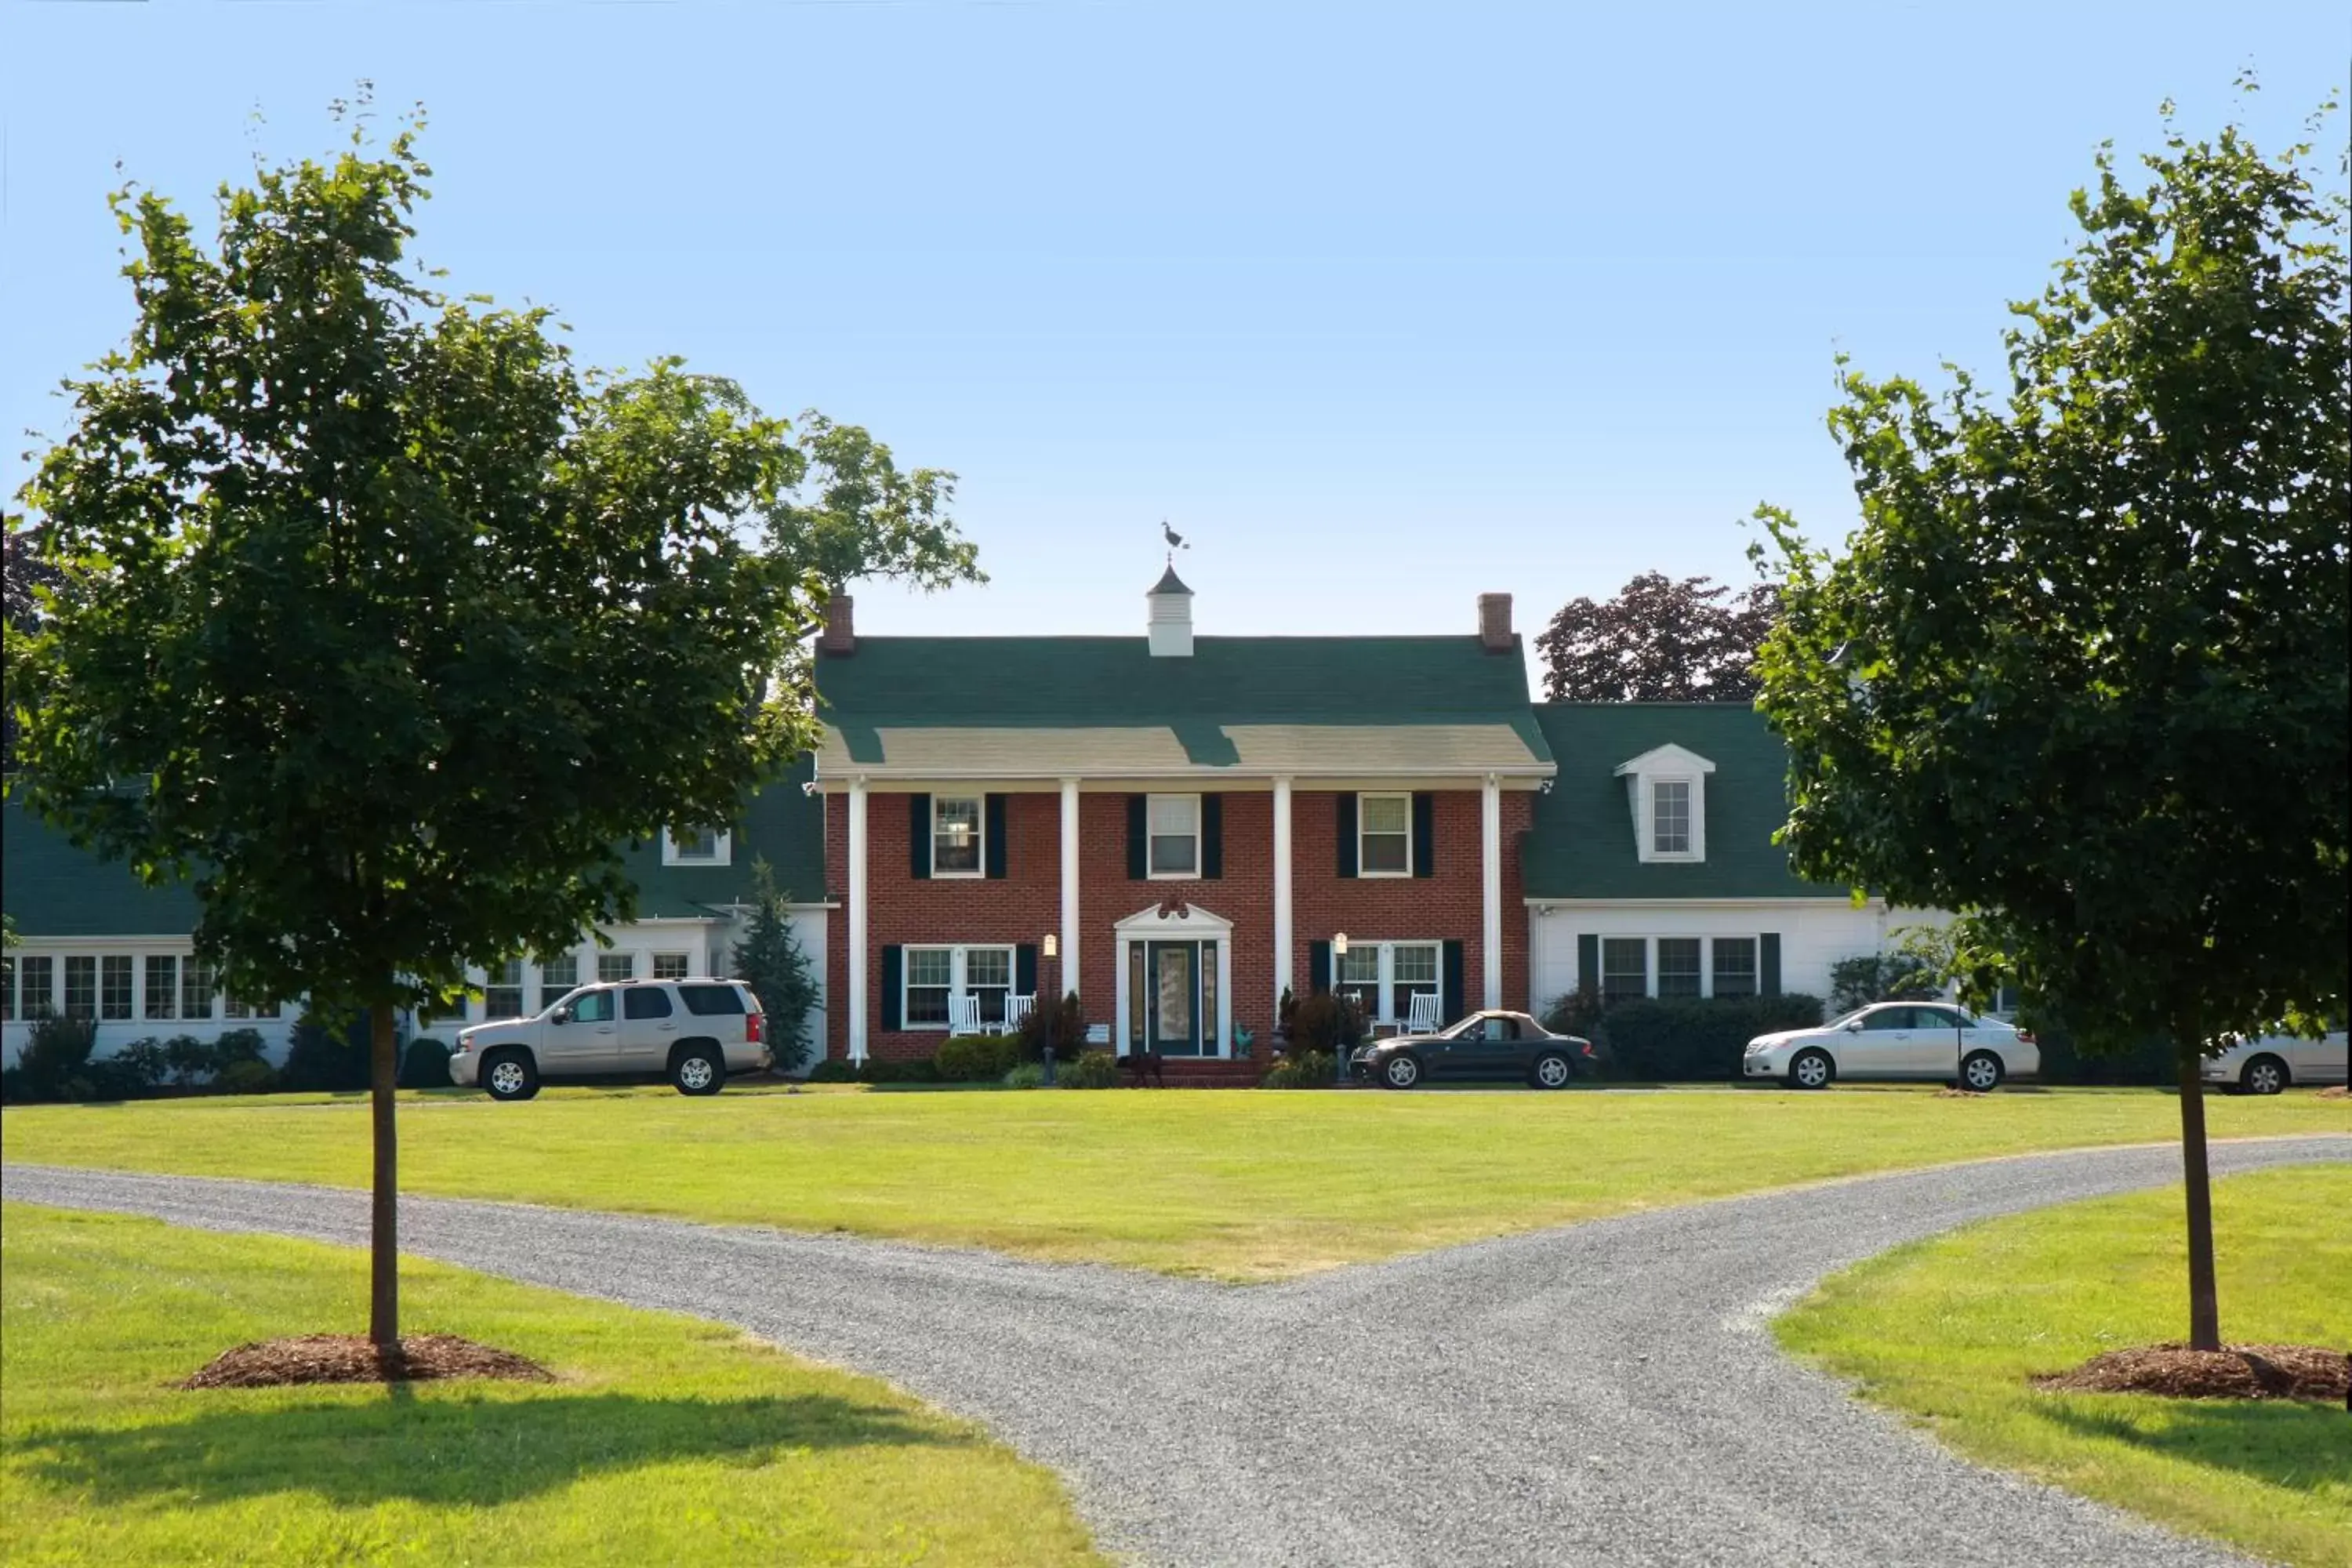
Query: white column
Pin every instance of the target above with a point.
(1490, 887)
(1069, 974)
(857, 919)
(1281, 892)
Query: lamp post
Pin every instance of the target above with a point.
(1338, 1041)
(1052, 950)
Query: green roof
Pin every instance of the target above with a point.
(1582, 845)
(1235, 703)
(56, 890)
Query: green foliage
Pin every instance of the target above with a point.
(1868, 977)
(246, 1077)
(1096, 1068)
(1577, 1013)
(1062, 1026)
(319, 1056)
(1659, 640)
(55, 1053)
(1325, 1023)
(1301, 1069)
(404, 624)
(977, 1058)
(146, 1061)
(2081, 674)
(772, 961)
(874, 1070)
(424, 1063)
(1028, 1075)
(844, 512)
(1693, 1040)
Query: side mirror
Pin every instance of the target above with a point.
(562, 1014)
(1854, 1027)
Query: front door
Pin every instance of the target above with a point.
(586, 1040)
(1173, 1009)
(1490, 1047)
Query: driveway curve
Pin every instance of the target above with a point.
(1600, 1393)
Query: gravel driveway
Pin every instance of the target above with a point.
(1600, 1393)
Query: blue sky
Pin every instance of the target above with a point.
(1382, 306)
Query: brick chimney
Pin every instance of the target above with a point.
(1494, 622)
(840, 635)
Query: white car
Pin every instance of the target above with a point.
(692, 1032)
(1897, 1041)
(2265, 1064)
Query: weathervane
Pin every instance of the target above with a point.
(1175, 540)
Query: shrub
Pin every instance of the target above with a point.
(1096, 1068)
(1577, 1013)
(235, 1045)
(772, 961)
(1028, 1075)
(1869, 977)
(246, 1075)
(977, 1058)
(146, 1062)
(1064, 1025)
(425, 1064)
(1300, 1069)
(1325, 1023)
(55, 1052)
(917, 1070)
(1692, 1037)
(322, 1057)
(832, 1069)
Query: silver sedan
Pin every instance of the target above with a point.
(1928, 1040)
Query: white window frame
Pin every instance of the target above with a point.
(1151, 836)
(1666, 764)
(979, 841)
(684, 961)
(1362, 867)
(959, 969)
(1384, 1008)
(1651, 786)
(1704, 981)
(1756, 960)
(722, 850)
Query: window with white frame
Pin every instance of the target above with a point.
(1625, 967)
(1384, 835)
(1678, 966)
(558, 978)
(1735, 965)
(671, 965)
(502, 996)
(1670, 816)
(234, 1007)
(1175, 835)
(955, 836)
(81, 987)
(114, 986)
(163, 997)
(931, 976)
(7, 990)
(1359, 976)
(698, 847)
(1386, 975)
(1415, 974)
(611, 967)
(197, 984)
(36, 986)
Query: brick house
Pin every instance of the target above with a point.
(1179, 829)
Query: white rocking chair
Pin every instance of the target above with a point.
(964, 1013)
(1421, 1018)
(1017, 1010)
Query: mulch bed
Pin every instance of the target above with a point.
(2234, 1372)
(1949, 1092)
(2341, 1091)
(353, 1358)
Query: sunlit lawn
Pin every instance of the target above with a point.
(667, 1439)
(1240, 1185)
(1948, 1331)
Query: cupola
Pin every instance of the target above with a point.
(1170, 626)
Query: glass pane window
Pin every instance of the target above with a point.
(558, 978)
(502, 997)
(1625, 967)
(197, 984)
(988, 977)
(1134, 996)
(1414, 968)
(930, 972)
(1384, 835)
(163, 1000)
(1678, 966)
(81, 987)
(114, 986)
(670, 966)
(955, 836)
(36, 981)
(698, 846)
(1175, 835)
(1357, 972)
(7, 989)
(1735, 966)
(1209, 1036)
(1670, 816)
(611, 967)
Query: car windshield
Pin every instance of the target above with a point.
(1456, 1031)
(1842, 1019)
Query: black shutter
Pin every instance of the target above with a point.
(1212, 836)
(1138, 868)
(1424, 833)
(1347, 816)
(1025, 970)
(1767, 978)
(894, 959)
(1319, 968)
(994, 848)
(1451, 1001)
(1588, 964)
(919, 835)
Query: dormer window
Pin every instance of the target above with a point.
(1666, 790)
(701, 847)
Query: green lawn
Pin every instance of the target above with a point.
(1237, 1185)
(667, 1440)
(1947, 1331)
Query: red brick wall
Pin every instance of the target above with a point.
(1026, 904)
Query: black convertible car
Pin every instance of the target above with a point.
(1491, 1044)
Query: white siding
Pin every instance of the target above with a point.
(1814, 934)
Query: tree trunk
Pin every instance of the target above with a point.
(384, 1242)
(2204, 1306)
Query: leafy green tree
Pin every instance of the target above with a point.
(848, 513)
(1660, 640)
(2081, 674)
(772, 961)
(382, 622)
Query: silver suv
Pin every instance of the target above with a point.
(692, 1032)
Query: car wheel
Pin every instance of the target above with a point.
(2264, 1075)
(1982, 1072)
(1811, 1069)
(1400, 1072)
(698, 1070)
(1552, 1070)
(510, 1074)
